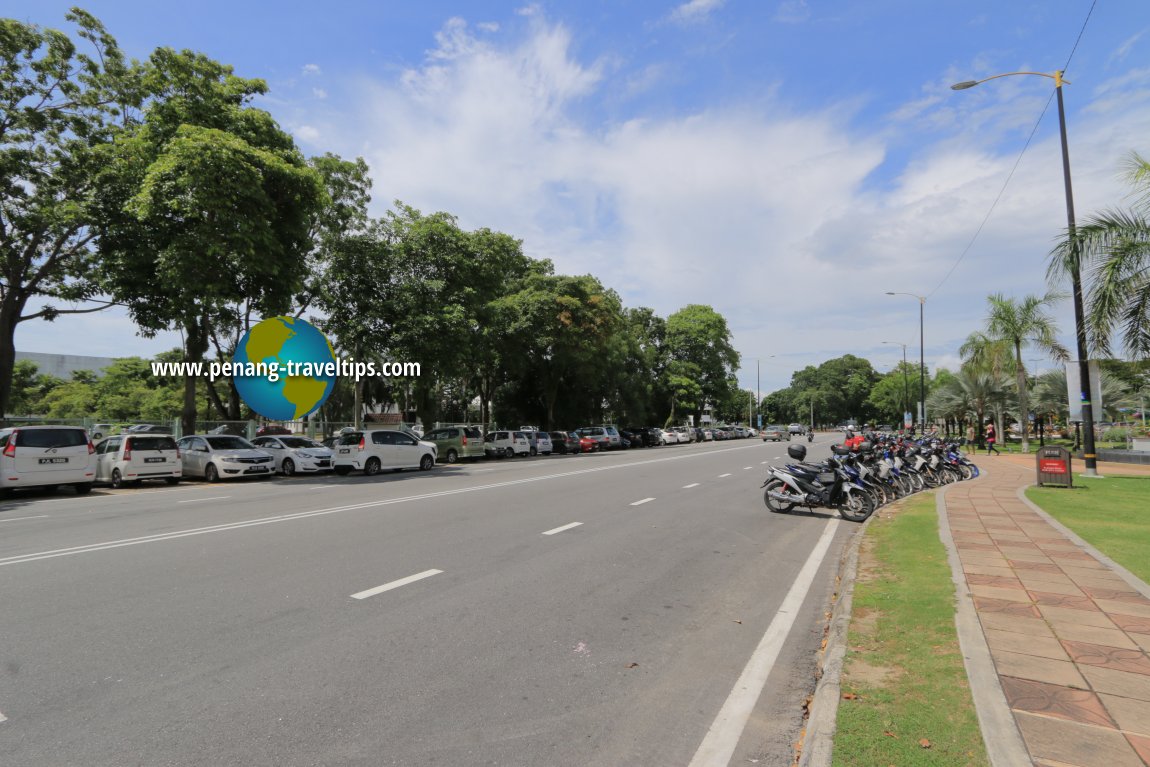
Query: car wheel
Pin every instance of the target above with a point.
(211, 473)
(372, 467)
(452, 456)
(83, 488)
(288, 467)
(117, 479)
(510, 453)
(343, 471)
(172, 480)
(426, 462)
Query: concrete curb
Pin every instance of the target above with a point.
(1135, 582)
(1000, 734)
(819, 739)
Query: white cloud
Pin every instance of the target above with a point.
(319, 93)
(307, 133)
(792, 12)
(311, 70)
(695, 10)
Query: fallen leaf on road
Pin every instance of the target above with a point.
(736, 620)
(632, 665)
(850, 696)
(889, 734)
(924, 743)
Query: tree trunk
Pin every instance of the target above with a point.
(7, 358)
(195, 346)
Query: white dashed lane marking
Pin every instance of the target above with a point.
(561, 529)
(688, 487)
(724, 475)
(395, 584)
(201, 500)
(641, 502)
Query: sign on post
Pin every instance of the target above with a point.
(1053, 464)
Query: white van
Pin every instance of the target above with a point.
(129, 459)
(45, 456)
(374, 451)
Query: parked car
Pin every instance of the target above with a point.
(720, 433)
(708, 435)
(147, 428)
(539, 442)
(686, 434)
(597, 433)
(455, 443)
(129, 459)
(373, 451)
(46, 456)
(272, 429)
(297, 454)
(564, 442)
(587, 443)
(669, 437)
(775, 433)
(100, 430)
(506, 444)
(223, 456)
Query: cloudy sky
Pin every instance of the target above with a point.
(787, 162)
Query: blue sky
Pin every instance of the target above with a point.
(785, 161)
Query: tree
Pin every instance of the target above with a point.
(1114, 245)
(1013, 325)
(58, 106)
(699, 335)
(205, 206)
(970, 393)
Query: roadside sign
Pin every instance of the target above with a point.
(1053, 465)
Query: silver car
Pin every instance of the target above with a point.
(223, 456)
(296, 454)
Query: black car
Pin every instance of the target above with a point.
(564, 442)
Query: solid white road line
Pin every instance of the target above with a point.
(747, 467)
(17, 519)
(688, 487)
(724, 475)
(721, 740)
(561, 529)
(201, 500)
(395, 584)
(640, 503)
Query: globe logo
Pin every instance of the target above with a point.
(284, 368)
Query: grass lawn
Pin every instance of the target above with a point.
(1112, 514)
(906, 699)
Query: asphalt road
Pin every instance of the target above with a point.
(615, 609)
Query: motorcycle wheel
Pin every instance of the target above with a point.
(918, 482)
(777, 506)
(857, 508)
(967, 472)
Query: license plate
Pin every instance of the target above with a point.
(154, 460)
(343, 450)
(258, 470)
(53, 460)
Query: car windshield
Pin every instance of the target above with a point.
(228, 442)
(294, 442)
(52, 438)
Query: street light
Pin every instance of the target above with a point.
(758, 423)
(921, 358)
(905, 389)
(1091, 457)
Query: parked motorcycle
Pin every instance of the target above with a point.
(815, 486)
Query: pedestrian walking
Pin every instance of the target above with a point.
(970, 434)
(991, 438)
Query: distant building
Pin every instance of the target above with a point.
(63, 365)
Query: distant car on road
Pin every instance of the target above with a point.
(775, 433)
(796, 428)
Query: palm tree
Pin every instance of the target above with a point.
(1011, 326)
(1115, 248)
(971, 393)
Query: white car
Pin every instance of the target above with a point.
(373, 451)
(46, 456)
(223, 456)
(685, 434)
(129, 459)
(296, 454)
(670, 437)
(500, 444)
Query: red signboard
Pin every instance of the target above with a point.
(1050, 466)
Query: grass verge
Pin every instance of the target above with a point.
(906, 699)
(1112, 514)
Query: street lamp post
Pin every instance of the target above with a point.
(905, 385)
(1089, 453)
(921, 358)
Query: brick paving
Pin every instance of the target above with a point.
(1069, 637)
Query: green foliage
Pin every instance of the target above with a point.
(698, 335)
(839, 388)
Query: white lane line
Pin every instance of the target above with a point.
(763, 463)
(2, 717)
(17, 519)
(561, 529)
(747, 467)
(88, 548)
(719, 744)
(724, 475)
(201, 500)
(641, 502)
(395, 584)
(688, 487)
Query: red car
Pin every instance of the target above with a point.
(272, 430)
(587, 444)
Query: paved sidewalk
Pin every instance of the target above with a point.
(1068, 635)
